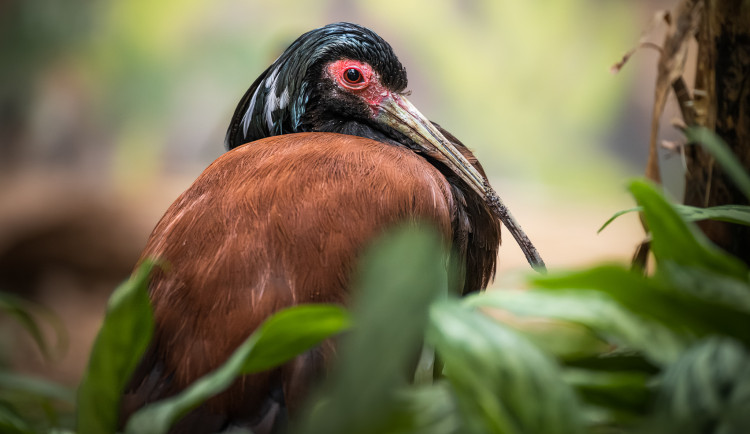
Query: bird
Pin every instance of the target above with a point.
(324, 153)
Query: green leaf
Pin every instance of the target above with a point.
(563, 339)
(595, 309)
(36, 387)
(625, 394)
(713, 289)
(11, 422)
(643, 297)
(118, 347)
(21, 309)
(707, 389)
(739, 214)
(723, 155)
(496, 374)
(40, 403)
(280, 338)
(617, 360)
(432, 409)
(617, 214)
(675, 240)
(399, 277)
(658, 300)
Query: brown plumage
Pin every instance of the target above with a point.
(282, 221)
(275, 223)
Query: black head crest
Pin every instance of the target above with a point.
(276, 101)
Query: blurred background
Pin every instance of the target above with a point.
(109, 109)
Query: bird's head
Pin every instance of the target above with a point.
(342, 78)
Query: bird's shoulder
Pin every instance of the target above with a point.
(349, 173)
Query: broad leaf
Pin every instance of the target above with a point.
(594, 309)
(655, 299)
(398, 279)
(293, 331)
(674, 240)
(118, 347)
(716, 290)
(432, 409)
(625, 393)
(283, 336)
(707, 389)
(563, 339)
(496, 374)
(616, 360)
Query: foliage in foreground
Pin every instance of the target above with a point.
(27, 403)
(605, 349)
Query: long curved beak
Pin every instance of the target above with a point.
(397, 112)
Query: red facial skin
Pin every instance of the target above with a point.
(368, 87)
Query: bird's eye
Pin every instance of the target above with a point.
(353, 76)
(350, 75)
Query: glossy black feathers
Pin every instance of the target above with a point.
(278, 100)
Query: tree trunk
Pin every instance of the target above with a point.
(722, 102)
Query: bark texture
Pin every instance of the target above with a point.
(722, 103)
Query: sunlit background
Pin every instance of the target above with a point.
(109, 109)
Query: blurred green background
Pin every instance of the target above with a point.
(133, 88)
(109, 109)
